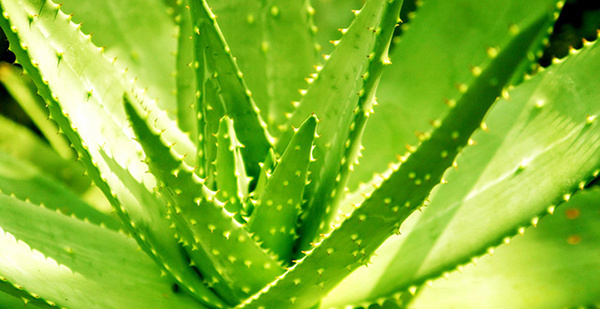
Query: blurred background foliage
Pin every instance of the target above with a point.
(579, 20)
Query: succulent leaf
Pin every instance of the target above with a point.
(365, 104)
(25, 182)
(23, 91)
(185, 79)
(140, 34)
(352, 243)
(492, 174)
(76, 80)
(232, 181)
(276, 211)
(357, 59)
(431, 59)
(239, 105)
(550, 266)
(227, 256)
(497, 176)
(50, 256)
(170, 252)
(37, 153)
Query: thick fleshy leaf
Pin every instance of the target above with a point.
(140, 34)
(432, 61)
(232, 182)
(212, 49)
(36, 152)
(70, 263)
(169, 254)
(555, 265)
(229, 260)
(26, 182)
(542, 145)
(76, 80)
(341, 96)
(352, 243)
(276, 212)
(274, 47)
(23, 91)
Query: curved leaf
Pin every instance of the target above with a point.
(69, 263)
(223, 251)
(211, 46)
(23, 90)
(276, 212)
(542, 145)
(25, 182)
(36, 152)
(430, 61)
(351, 244)
(140, 34)
(555, 265)
(76, 80)
(341, 96)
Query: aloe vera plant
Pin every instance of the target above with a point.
(228, 166)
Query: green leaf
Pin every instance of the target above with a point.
(542, 145)
(212, 110)
(186, 76)
(232, 182)
(171, 255)
(76, 80)
(242, 24)
(223, 251)
(352, 243)
(69, 263)
(11, 297)
(239, 106)
(23, 91)
(140, 34)
(341, 96)
(179, 232)
(554, 141)
(266, 170)
(36, 152)
(553, 265)
(25, 182)
(331, 16)
(290, 52)
(276, 213)
(430, 61)
(273, 43)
